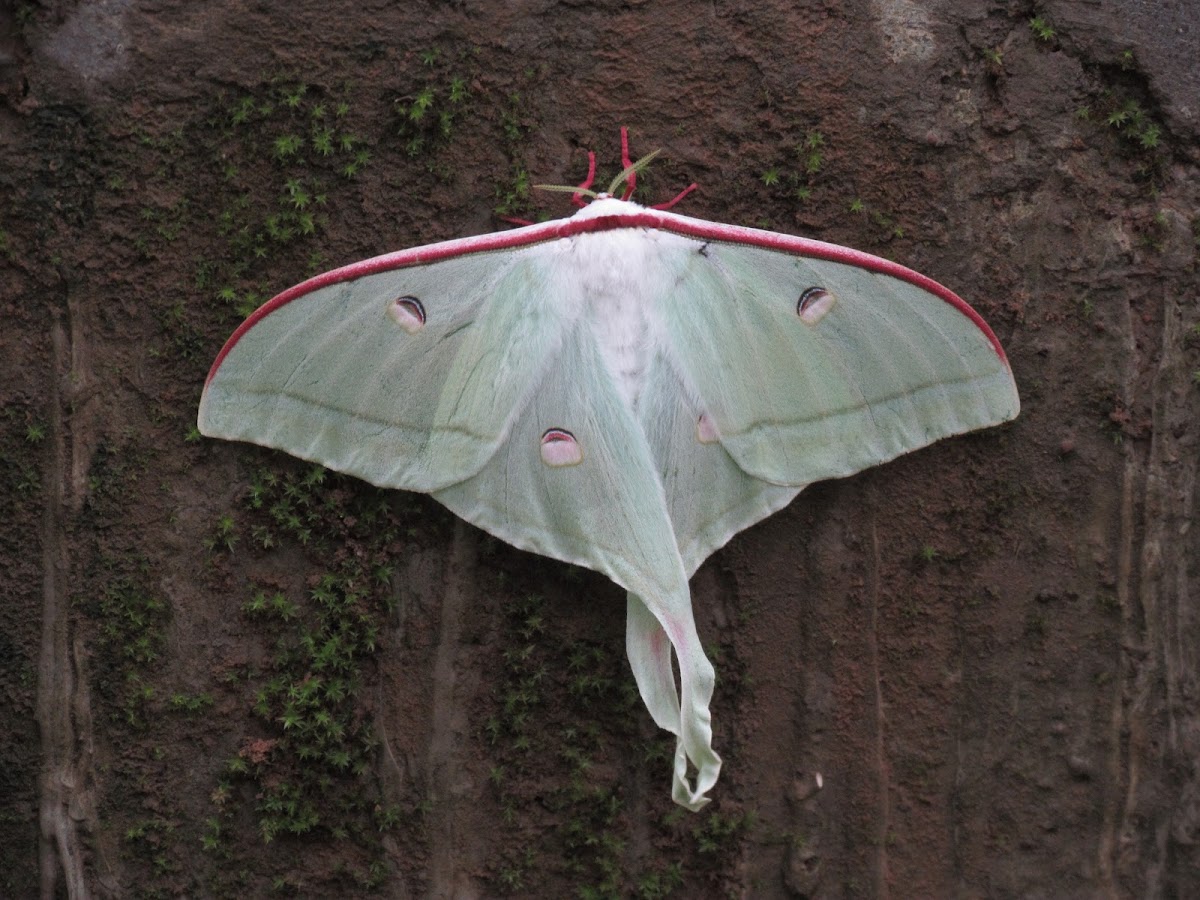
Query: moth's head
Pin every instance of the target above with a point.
(607, 202)
(608, 205)
(624, 184)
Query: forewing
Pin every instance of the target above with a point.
(890, 367)
(334, 375)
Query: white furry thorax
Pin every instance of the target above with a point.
(619, 273)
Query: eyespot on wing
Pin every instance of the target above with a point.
(407, 312)
(559, 448)
(814, 304)
(706, 430)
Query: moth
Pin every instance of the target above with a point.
(625, 389)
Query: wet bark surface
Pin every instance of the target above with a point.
(971, 672)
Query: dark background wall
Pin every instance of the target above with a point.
(226, 673)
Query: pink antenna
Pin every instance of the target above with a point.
(687, 190)
(626, 162)
(577, 199)
(630, 183)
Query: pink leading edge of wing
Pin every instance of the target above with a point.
(565, 228)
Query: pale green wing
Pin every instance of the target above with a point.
(710, 498)
(338, 375)
(607, 512)
(889, 367)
